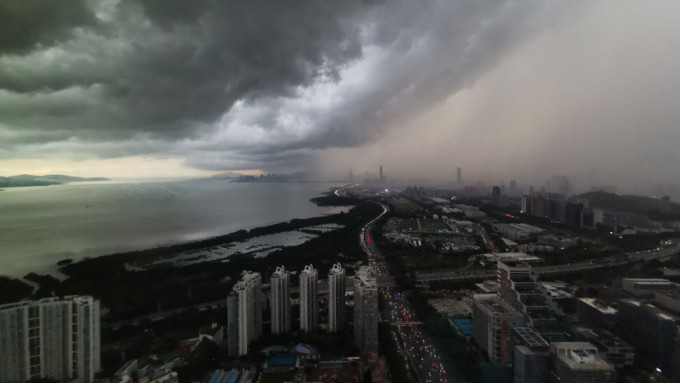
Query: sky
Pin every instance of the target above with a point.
(519, 89)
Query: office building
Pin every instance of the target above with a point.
(309, 299)
(246, 320)
(280, 300)
(578, 362)
(54, 338)
(593, 312)
(612, 348)
(459, 176)
(366, 309)
(654, 332)
(531, 356)
(492, 320)
(336, 298)
(519, 289)
(646, 286)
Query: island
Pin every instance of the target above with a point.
(52, 179)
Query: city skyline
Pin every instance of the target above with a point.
(495, 88)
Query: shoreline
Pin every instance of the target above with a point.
(68, 268)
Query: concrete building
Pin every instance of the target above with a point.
(280, 300)
(578, 362)
(309, 299)
(55, 338)
(336, 298)
(646, 286)
(366, 315)
(246, 320)
(654, 332)
(593, 312)
(492, 320)
(531, 356)
(611, 348)
(518, 288)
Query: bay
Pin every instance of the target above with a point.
(40, 226)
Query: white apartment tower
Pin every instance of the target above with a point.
(244, 315)
(366, 309)
(309, 299)
(336, 298)
(280, 299)
(56, 338)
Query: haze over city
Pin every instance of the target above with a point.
(507, 90)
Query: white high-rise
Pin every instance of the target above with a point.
(56, 338)
(336, 298)
(280, 285)
(245, 316)
(309, 299)
(366, 309)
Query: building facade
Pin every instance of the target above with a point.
(309, 299)
(246, 319)
(336, 298)
(492, 320)
(578, 362)
(56, 338)
(366, 309)
(531, 356)
(280, 301)
(519, 289)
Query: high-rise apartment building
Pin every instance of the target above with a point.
(245, 313)
(492, 320)
(56, 338)
(280, 300)
(366, 309)
(309, 299)
(336, 298)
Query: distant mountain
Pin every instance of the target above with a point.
(52, 179)
(630, 203)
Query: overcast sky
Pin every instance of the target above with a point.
(507, 90)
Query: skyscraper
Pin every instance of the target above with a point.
(381, 173)
(56, 338)
(366, 309)
(336, 298)
(309, 299)
(459, 176)
(247, 300)
(280, 285)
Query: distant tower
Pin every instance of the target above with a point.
(351, 175)
(246, 317)
(459, 176)
(366, 309)
(336, 298)
(496, 196)
(381, 173)
(309, 299)
(280, 286)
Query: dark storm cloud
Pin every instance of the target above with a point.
(29, 24)
(167, 65)
(238, 84)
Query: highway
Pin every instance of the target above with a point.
(414, 343)
(611, 261)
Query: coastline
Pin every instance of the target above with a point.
(84, 276)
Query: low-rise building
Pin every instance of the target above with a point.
(593, 312)
(646, 286)
(578, 362)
